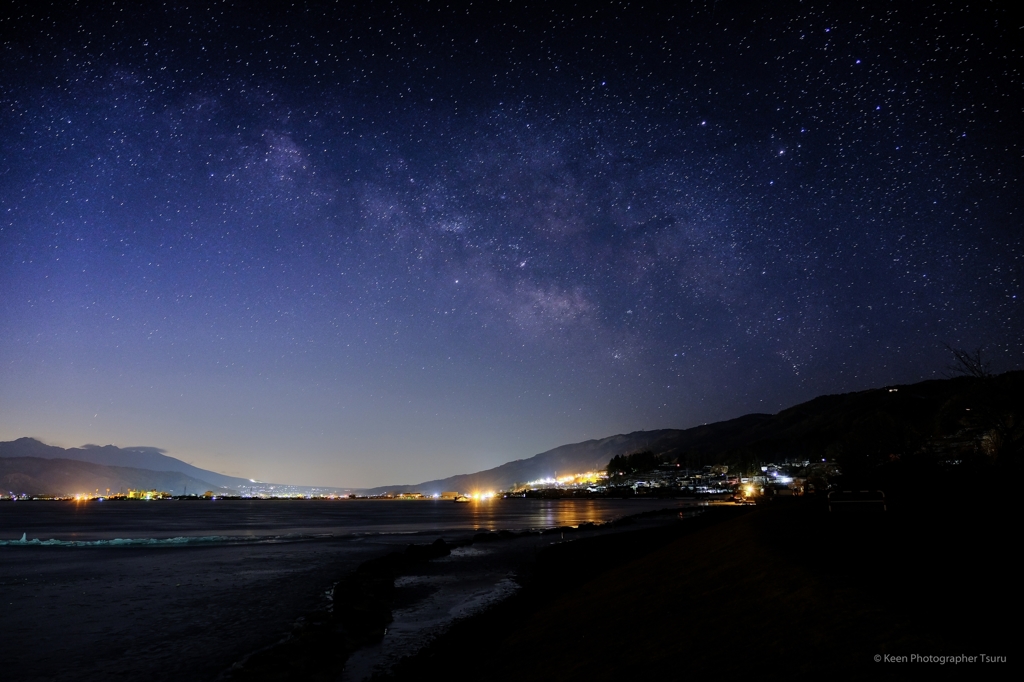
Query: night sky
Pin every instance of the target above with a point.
(381, 244)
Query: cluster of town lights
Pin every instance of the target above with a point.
(585, 478)
(481, 496)
(588, 479)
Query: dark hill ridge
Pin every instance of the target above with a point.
(152, 459)
(922, 423)
(928, 424)
(862, 430)
(589, 455)
(43, 476)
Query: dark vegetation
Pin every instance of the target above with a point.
(912, 440)
(967, 363)
(622, 466)
(940, 432)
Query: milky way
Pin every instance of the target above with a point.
(364, 246)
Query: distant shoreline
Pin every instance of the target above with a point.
(568, 495)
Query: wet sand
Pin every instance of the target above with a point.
(393, 606)
(473, 578)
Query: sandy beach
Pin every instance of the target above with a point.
(393, 606)
(700, 589)
(195, 610)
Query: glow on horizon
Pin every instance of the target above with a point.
(380, 256)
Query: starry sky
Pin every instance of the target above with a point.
(382, 243)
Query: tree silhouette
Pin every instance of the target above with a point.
(966, 363)
(622, 466)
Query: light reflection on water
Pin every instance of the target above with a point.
(499, 515)
(299, 518)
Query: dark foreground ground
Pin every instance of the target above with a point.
(785, 590)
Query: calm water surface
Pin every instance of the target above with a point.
(241, 572)
(241, 520)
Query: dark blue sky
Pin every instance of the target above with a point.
(407, 240)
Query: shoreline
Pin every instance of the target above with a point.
(243, 521)
(555, 570)
(388, 594)
(783, 590)
(195, 608)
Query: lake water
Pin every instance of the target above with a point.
(278, 520)
(167, 589)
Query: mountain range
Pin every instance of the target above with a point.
(923, 422)
(32, 467)
(951, 419)
(64, 477)
(591, 455)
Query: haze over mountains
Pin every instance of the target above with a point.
(31, 467)
(64, 477)
(149, 458)
(859, 430)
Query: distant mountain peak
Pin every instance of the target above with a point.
(137, 457)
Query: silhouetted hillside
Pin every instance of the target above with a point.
(39, 476)
(110, 455)
(891, 433)
(890, 436)
(589, 455)
(926, 427)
